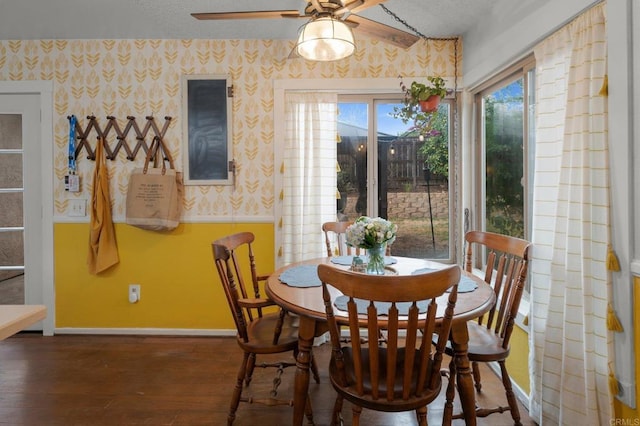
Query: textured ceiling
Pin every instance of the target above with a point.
(171, 19)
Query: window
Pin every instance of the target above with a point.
(387, 170)
(505, 154)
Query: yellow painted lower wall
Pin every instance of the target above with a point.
(178, 279)
(518, 360)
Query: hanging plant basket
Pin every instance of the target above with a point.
(431, 104)
(420, 103)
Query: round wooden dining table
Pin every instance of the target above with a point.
(304, 298)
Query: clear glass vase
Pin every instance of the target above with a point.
(375, 265)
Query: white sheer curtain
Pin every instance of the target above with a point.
(308, 174)
(570, 345)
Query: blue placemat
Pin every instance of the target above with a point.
(465, 285)
(346, 260)
(301, 276)
(383, 307)
(423, 271)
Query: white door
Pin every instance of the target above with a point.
(21, 181)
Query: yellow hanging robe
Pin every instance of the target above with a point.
(103, 249)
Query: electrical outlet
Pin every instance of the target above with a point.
(78, 207)
(134, 293)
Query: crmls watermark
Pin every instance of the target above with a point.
(624, 422)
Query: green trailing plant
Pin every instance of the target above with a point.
(410, 111)
(421, 92)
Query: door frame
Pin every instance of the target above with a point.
(43, 89)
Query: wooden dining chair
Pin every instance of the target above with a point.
(336, 239)
(262, 328)
(505, 269)
(403, 374)
(335, 233)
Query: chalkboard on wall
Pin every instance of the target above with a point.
(207, 143)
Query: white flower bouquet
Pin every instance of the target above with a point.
(369, 233)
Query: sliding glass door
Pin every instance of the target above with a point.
(386, 169)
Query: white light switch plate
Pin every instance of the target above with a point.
(78, 207)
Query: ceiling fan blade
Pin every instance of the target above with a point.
(317, 6)
(249, 15)
(338, 8)
(359, 6)
(383, 32)
(348, 7)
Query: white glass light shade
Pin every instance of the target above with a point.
(325, 39)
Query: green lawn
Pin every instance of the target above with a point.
(414, 238)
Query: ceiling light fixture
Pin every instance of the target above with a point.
(325, 38)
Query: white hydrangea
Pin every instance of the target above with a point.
(367, 232)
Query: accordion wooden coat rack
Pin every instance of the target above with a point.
(111, 148)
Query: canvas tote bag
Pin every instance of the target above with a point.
(154, 196)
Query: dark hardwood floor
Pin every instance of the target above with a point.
(145, 380)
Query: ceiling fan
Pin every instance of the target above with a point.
(342, 10)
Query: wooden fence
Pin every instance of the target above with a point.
(400, 160)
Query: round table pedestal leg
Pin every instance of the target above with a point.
(464, 379)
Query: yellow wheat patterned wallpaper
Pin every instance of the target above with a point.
(143, 77)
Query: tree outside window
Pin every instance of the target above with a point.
(504, 160)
